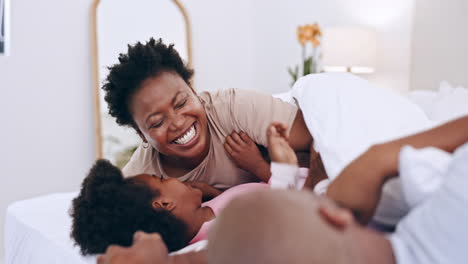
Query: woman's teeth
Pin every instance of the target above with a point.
(186, 137)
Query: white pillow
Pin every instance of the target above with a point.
(422, 172)
(451, 103)
(446, 104)
(424, 99)
(286, 97)
(346, 115)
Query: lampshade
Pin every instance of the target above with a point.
(351, 49)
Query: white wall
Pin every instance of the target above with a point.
(276, 37)
(223, 43)
(440, 42)
(250, 44)
(45, 102)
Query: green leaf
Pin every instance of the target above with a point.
(294, 74)
(307, 66)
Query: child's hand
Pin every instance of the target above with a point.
(244, 152)
(278, 146)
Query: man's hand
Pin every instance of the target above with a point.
(278, 144)
(209, 192)
(146, 249)
(245, 154)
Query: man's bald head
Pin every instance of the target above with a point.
(274, 227)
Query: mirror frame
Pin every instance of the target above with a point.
(95, 65)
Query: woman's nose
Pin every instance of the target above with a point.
(178, 122)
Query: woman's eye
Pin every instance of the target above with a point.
(180, 105)
(156, 125)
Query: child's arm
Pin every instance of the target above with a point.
(284, 165)
(359, 185)
(245, 154)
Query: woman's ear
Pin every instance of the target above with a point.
(164, 203)
(337, 217)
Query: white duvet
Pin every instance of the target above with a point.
(346, 115)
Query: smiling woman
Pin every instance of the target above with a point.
(183, 132)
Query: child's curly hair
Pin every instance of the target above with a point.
(110, 209)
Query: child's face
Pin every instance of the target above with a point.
(182, 200)
(170, 117)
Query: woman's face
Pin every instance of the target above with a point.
(170, 117)
(182, 200)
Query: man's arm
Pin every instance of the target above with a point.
(359, 185)
(148, 249)
(447, 137)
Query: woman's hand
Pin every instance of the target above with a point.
(245, 154)
(209, 192)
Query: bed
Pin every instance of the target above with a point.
(37, 230)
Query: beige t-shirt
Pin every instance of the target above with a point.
(227, 111)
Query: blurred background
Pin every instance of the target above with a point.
(47, 112)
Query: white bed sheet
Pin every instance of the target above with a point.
(37, 231)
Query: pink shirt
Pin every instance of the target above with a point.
(218, 203)
(283, 176)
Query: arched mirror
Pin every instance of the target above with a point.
(115, 24)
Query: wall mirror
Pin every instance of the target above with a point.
(4, 26)
(115, 24)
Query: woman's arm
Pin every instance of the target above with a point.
(300, 139)
(246, 155)
(359, 185)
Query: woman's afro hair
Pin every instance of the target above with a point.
(141, 62)
(110, 209)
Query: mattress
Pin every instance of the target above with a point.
(38, 231)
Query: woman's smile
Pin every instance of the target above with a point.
(187, 138)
